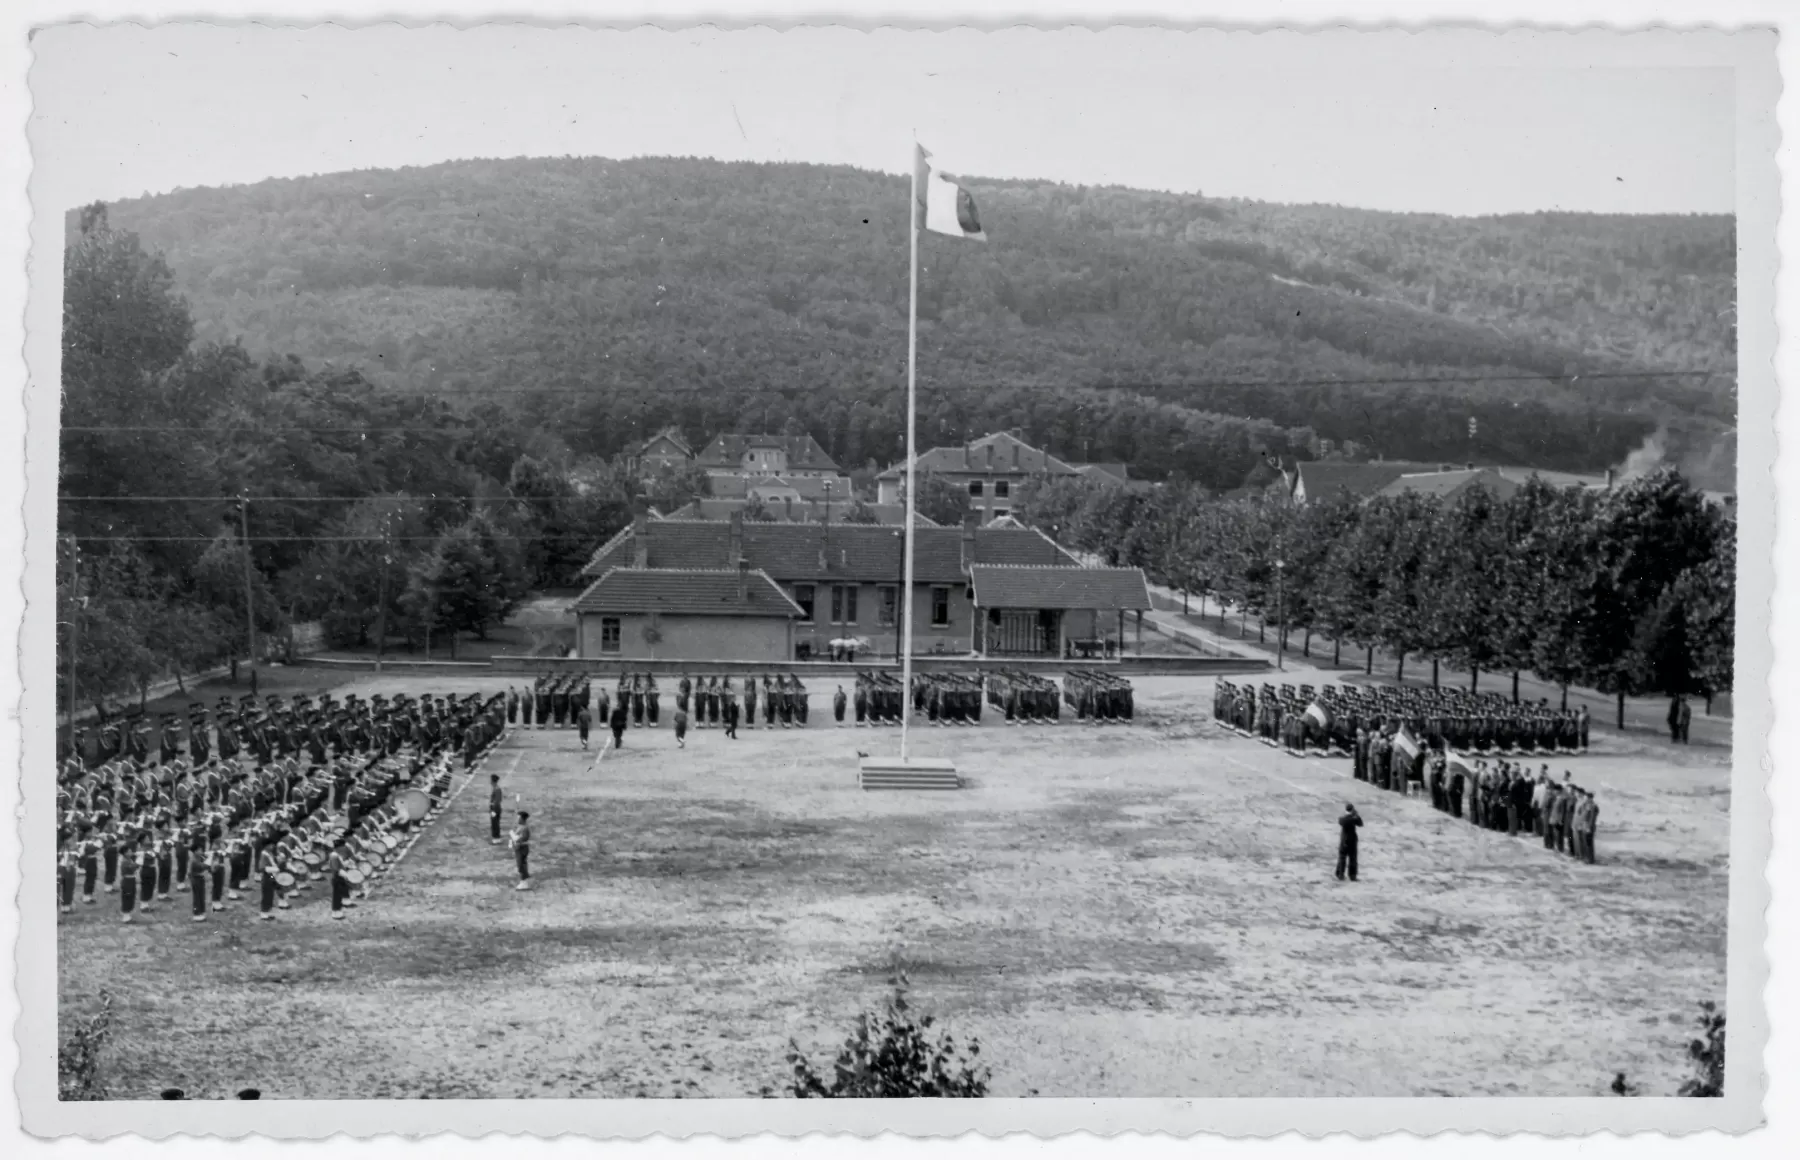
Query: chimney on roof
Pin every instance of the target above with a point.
(640, 541)
(743, 577)
(969, 524)
(734, 537)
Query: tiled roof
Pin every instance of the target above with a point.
(684, 591)
(673, 435)
(1040, 586)
(714, 508)
(864, 552)
(723, 485)
(1010, 456)
(1325, 479)
(803, 451)
(1443, 484)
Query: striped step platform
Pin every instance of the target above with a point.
(912, 773)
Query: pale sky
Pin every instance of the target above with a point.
(1445, 122)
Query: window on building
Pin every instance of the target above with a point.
(843, 604)
(803, 596)
(889, 608)
(940, 607)
(1002, 489)
(975, 488)
(1000, 511)
(609, 634)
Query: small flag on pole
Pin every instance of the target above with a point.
(1318, 715)
(1403, 741)
(1455, 760)
(944, 206)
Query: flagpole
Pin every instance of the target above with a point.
(907, 534)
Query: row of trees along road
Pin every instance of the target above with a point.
(375, 512)
(1629, 591)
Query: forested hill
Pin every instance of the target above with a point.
(607, 298)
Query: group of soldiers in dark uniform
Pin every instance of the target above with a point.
(552, 701)
(878, 699)
(947, 698)
(285, 792)
(1434, 743)
(1023, 698)
(1328, 720)
(1098, 696)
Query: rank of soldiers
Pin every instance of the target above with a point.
(554, 701)
(1328, 720)
(290, 792)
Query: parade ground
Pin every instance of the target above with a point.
(1134, 909)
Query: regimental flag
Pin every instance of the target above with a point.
(1454, 760)
(1405, 743)
(1319, 715)
(944, 206)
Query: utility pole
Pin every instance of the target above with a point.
(249, 592)
(381, 610)
(1280, 612)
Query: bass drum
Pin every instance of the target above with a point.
(412, 805)
(284, 880)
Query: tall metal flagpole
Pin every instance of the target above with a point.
(907, 537)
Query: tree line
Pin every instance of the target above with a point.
(1630, 590)
(204, 494)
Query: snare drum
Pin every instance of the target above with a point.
(313, 860)
(353, 876)
(390, 843)
(284, 880)
(365, 868)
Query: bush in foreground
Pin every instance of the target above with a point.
(893, 1054)
(78, 1072)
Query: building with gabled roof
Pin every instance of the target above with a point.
(633, 613)
(845, 579)
(733, 454)
(991, 469)
(666, 448)
(1039, 610)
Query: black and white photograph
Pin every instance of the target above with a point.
(997, 567)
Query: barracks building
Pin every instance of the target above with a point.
(676, 589)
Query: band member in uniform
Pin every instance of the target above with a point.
(128, 880)
(268, 867)
(65, 880)
(495, 798)
(90, 866)
(521, 844)
(197, 877)
(146, 870)
(340, 886)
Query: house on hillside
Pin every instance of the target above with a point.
(844, 581)
(795, 456)
(666, 448)
(992, 469)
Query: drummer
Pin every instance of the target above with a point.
(335, 868)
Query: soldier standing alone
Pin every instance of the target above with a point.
(1348, 824)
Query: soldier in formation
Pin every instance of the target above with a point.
(1024, 698)
(947, 698)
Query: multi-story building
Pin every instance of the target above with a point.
(991, 469)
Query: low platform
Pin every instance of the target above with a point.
(912, 773)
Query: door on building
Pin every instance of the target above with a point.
(1023, 632)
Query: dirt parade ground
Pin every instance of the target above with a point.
(1133, 909)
